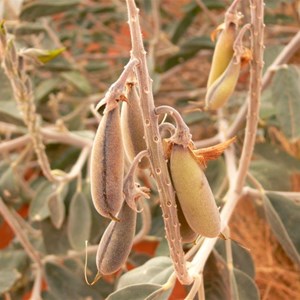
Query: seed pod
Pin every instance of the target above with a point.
(186, 232)
(107, 165)
(116, 242)
(223, 51)
(221, 90)
(194, 193)
(132, 126)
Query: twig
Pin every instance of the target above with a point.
(154, 145)
(50, 135)
(18, 231)
(290, 49)
(37, 286)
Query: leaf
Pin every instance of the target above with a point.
(79, 222)
(9, 184)
(38, 208)
(156, 270)
(188, 50)
(13, 259)
(247, 290)
(79, 81)
(57, 207)
(9, 113)
(283, 215)
(55, 240)
(242, 259)
(29, 28)
(34, 9)
(7, 279)
(286, 95)
(136, 292)
(216, 278)
(45, 88)
(271, 176)
(64, 284)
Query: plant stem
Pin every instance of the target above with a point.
(18, 231)
(154, 145)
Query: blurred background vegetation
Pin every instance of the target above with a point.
(96, 39)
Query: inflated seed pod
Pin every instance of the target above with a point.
(107, 164)
(194, 193)
(116, 242)
(186, 232)
(223, 51)
(132, 126)
(221, 90)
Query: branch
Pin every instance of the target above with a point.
(290, 49)
(154, 145)
(19, 233)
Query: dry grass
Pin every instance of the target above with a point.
(276, 275)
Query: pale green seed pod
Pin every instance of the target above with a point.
(223, 52)
(194, 193)
(221, 90)
(132, 126)
(116, 242)
(107, 165)
(186, 232)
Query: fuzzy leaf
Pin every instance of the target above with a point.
(286, 95)
(34, 9)
(136, 292)
(7, 279)
(79, 81)
(246, 287)
(157, 270)
(64, 284)
(283, 216)
(79, 222)
(9, 113)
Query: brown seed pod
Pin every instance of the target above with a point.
(116, 242)
(107, 165)
(186, 232)
(194, 193)
(132, 126)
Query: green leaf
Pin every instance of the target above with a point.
(79, 222)
(283, 216)
(242, 258)
(271, 176)
(188, 50)
(246, 288)
(216, 278)
(34, 9)
(57, 207)
(41, 55)
(13, 259)
(64, 284)
(38, 208)
(9, 184)
(286, 95)
(7, 279)
(156, 270)
(136, 292)
(78, 80)
(45, 88)
(9, 113)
